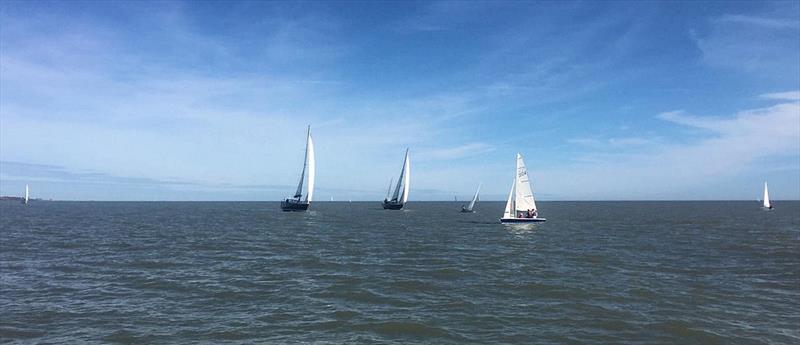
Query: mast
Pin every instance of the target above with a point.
(299, 191)
(389, 190)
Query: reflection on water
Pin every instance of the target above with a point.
(522, 228)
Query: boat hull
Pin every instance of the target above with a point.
(522, 220)
(294, 206)
(467, 211)
(388, 205)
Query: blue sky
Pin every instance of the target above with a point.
(209, 101)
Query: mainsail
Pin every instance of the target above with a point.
(308, 172)
(474, 199)
(401, 195)
(766, 196)
(312, 166)
(524, 195)
(27, 194)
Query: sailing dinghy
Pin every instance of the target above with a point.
(400, 196)
(767, 205)
(468, 208)
(520, 207)
(300, 201)
(27, 195)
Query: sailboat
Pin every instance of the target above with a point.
(300, 201)
(521, 207)
(767, 205)
(400, 196)
(468, 208)
(27, 195)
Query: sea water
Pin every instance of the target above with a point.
(245, 272)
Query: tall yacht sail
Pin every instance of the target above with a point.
(521, 206)
(766, 204)
(471, 205)
(27, 194)
(400, 196)
(302, 197)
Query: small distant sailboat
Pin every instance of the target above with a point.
(468, 208)
(400, 196)
(301, 201)
(521, 207)
(27, 195)
(767, 205)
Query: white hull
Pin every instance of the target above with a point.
(522, 220)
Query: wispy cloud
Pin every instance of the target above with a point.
(765, 44)
(769, 22)
(613, 142)
(730, 146)
(451, 153)
(783, 96)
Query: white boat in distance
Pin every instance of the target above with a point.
(27, 195)
(301, 201)
(400, 196)
(521, 207)
(767, 205)
(468, 208)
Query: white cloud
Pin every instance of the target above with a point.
(783, 96)
(766, 45)
(450, 153)
(732, 145)
(614, 142)
(774, 23)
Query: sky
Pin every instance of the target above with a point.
(645, 100)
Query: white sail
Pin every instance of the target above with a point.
(766, 196)
(311, 166)
(401, 190)
(523, 199)
(27, 194)
(507, 213)
(406, 178)
(474, 199)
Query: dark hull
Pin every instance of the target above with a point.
(388, 205)
(522, 220)
(467, 211)
(294, 206)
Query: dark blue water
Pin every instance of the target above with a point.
(595, 272)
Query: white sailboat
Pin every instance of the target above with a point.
(27, 195)
(468, 208)
(400, 196)
(521, 207)
(767, 205)
(302, 199)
